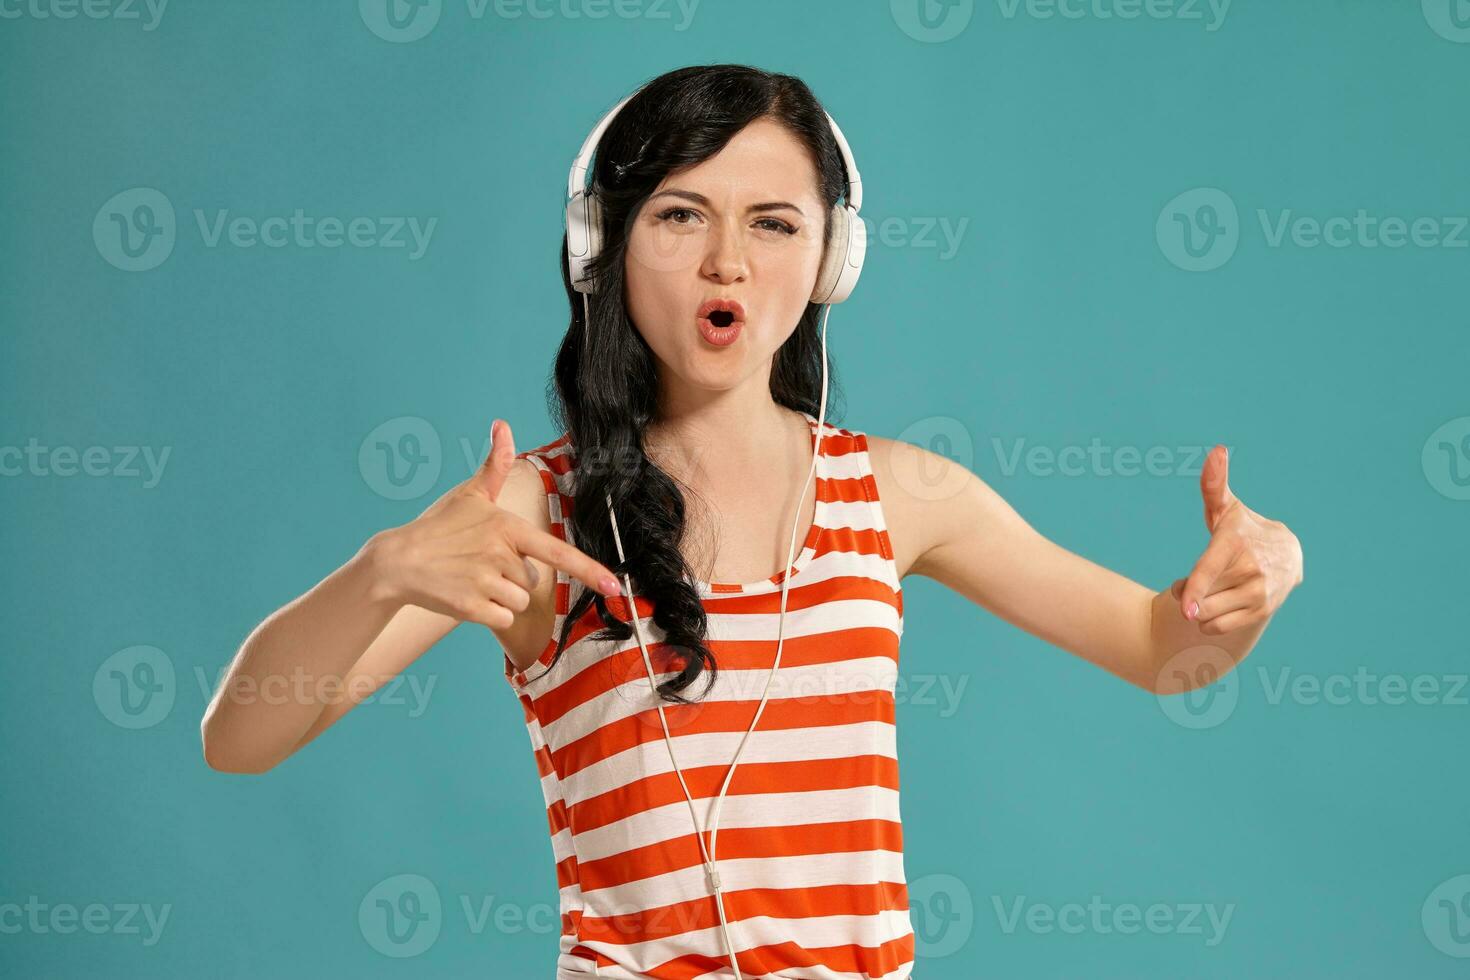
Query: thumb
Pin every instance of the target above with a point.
(490, 477)
(1214, 485)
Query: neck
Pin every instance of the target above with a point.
(703, 438)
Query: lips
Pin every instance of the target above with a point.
(720, 321)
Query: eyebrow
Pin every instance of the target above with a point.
(701, 199)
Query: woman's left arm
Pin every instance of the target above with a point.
(958, 531)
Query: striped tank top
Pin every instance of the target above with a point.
(810, 841)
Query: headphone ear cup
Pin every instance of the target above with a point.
(835, 255)
(584, 238)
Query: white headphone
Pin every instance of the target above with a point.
(841, 264)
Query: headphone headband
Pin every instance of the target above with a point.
(577, 178)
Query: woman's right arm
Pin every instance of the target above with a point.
(471, 556)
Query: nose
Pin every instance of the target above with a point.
(724, 257)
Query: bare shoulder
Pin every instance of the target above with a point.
(918, 489)
(524, 493)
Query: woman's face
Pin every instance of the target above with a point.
(745, 224)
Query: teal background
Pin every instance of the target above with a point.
(1061, 318)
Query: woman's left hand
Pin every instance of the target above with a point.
(1249, 566)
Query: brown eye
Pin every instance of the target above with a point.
(776, 224)
(665, 215)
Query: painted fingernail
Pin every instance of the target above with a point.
(1194, 610)
(609, 586)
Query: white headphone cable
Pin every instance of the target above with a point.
(710, 866)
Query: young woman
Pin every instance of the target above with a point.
(691, 393)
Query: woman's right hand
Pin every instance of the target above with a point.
(466, 557)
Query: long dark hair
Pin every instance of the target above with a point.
(605, 383)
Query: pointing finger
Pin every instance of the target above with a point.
(559, 554)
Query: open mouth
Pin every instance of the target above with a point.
(721, 312)
(720, 321)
